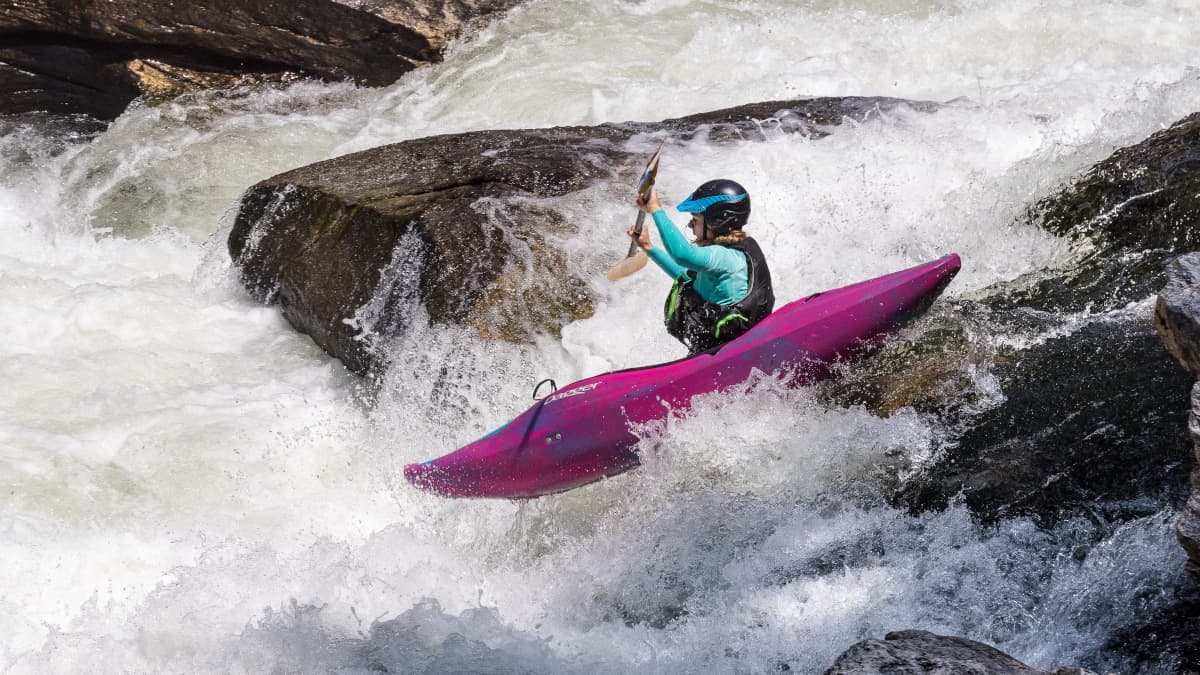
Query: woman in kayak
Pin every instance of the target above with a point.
(722, 283)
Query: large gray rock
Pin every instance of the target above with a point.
(350, 246)
(94, 57)
(917, 652)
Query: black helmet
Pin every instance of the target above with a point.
(724, 203)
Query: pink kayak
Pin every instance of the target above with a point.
(583, 432)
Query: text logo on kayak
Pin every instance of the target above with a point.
(574, 392)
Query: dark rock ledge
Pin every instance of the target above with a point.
(459, 226)
(94, 57)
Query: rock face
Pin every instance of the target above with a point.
(917, 652)
(457, 226)
(1177, 319)
(94, 57)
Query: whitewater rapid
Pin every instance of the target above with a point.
(188, 485)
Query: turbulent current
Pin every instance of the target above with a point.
(189, 485)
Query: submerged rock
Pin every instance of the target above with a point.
(917, 652)
(1166, 641)
(459, 226)
(85, 56)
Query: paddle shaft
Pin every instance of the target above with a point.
(635, 259)
(637, 232)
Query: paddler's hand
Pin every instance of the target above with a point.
(649, 204)
(643, 239)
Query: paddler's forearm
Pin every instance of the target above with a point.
(661, 257)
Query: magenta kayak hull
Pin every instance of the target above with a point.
(583, 433)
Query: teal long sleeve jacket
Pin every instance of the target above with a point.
(721, 274)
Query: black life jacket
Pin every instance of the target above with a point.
(703, 325)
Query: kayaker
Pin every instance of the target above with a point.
(722, 282)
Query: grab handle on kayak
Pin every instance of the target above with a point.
(553, 387)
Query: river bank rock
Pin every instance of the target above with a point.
(1054, 393)
(1177, 320)
(459, 227)
(1089, 414)
(917, 652)
(93, 57)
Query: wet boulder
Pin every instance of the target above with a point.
(917, 652)
(62, 78)
(1128, 217)
(92, 57)
(461, 227)
(1165, 641)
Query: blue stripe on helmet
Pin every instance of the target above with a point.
(701, 204)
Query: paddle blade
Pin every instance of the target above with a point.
(628, 266)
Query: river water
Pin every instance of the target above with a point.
(191, 486)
